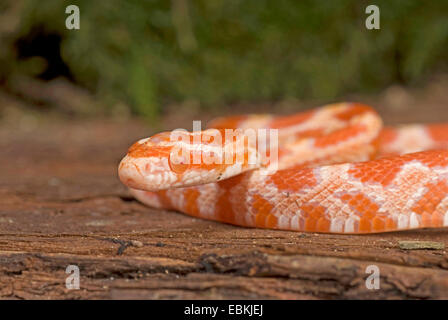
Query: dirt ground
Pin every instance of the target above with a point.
(62, 204)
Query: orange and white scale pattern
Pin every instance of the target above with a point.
(413, 138)
(328, 181)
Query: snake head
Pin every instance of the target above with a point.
(180, 159)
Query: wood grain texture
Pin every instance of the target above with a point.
(61, 203)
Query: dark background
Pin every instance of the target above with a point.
(153, 58)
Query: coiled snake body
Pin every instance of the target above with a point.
(339, 171)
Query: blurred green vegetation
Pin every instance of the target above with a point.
(147, 53)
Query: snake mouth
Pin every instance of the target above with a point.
(128, 173)
(149, 174)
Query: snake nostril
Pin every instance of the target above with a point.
(130, 182)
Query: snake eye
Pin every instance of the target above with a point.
(179, 163)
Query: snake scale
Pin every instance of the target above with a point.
(337, 170)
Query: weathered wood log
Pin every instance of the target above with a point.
(61, 204)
